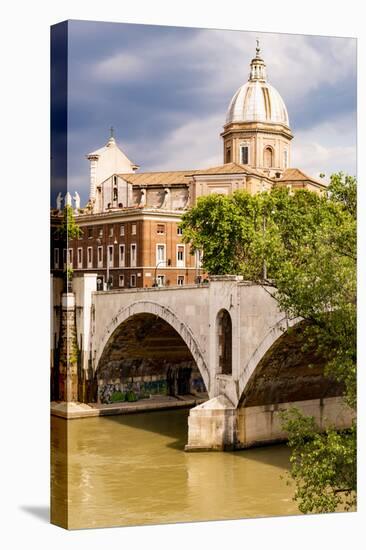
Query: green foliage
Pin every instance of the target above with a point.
(302, 247)
(118, 397)
(322, 464)
(69, 229)
(131, 396)
(343, 190)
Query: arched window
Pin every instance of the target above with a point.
(224, 342)
(268, 157)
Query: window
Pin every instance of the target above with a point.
(133, 229)
(122, 230)
(179, 230)
(80, 258)
(180, 280)
(64, 256)
(121, 280)
(111, 231)
(244, 154)
(160, 280)
(180, 255)
(100, 232)
(228, 155)
(100, 256)
(121, 255)
(90, 232)
(160, 253)
(198, 257)
(160, 229)
(70, 258)
(90, 256)
(285, 158)
(133, 255)
(110, 255)
(56, 258)
(268, 157)
(133, 280)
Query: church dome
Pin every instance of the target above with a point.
(257, 100)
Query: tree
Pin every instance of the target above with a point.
(304, 245)
(68, 229)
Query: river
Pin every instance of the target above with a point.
(132, 470)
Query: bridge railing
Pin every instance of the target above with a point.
(152, 289)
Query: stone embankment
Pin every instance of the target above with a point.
(82, 410)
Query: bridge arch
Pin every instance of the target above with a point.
(273, 335)
(166, 314)
(281, 372)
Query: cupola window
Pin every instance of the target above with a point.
(228, 155)
(244, 154)
(268, 157)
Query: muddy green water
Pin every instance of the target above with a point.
(132, 470)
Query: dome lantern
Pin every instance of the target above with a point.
(257, 66)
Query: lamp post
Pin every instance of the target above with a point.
(264, 229)
(168, 262)
(108, 245)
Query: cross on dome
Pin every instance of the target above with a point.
(257, 48)
(111, 140)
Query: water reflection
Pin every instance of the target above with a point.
(131, 469)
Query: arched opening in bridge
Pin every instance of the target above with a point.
(224, 342)
(145, 356)
(291, 370)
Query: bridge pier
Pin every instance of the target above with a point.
(212, 426)
(218, 426)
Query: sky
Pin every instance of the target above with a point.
(165, 90)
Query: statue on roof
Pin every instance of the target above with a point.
(68, 199)
(59, 201)
(76, 198)
(142, 202)
(165, 202)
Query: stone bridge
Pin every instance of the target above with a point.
(232, 331)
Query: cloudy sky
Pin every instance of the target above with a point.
(166, 90)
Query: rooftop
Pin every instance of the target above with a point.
(183, 176)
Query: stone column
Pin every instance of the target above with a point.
(68, 384)
(83, 287)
